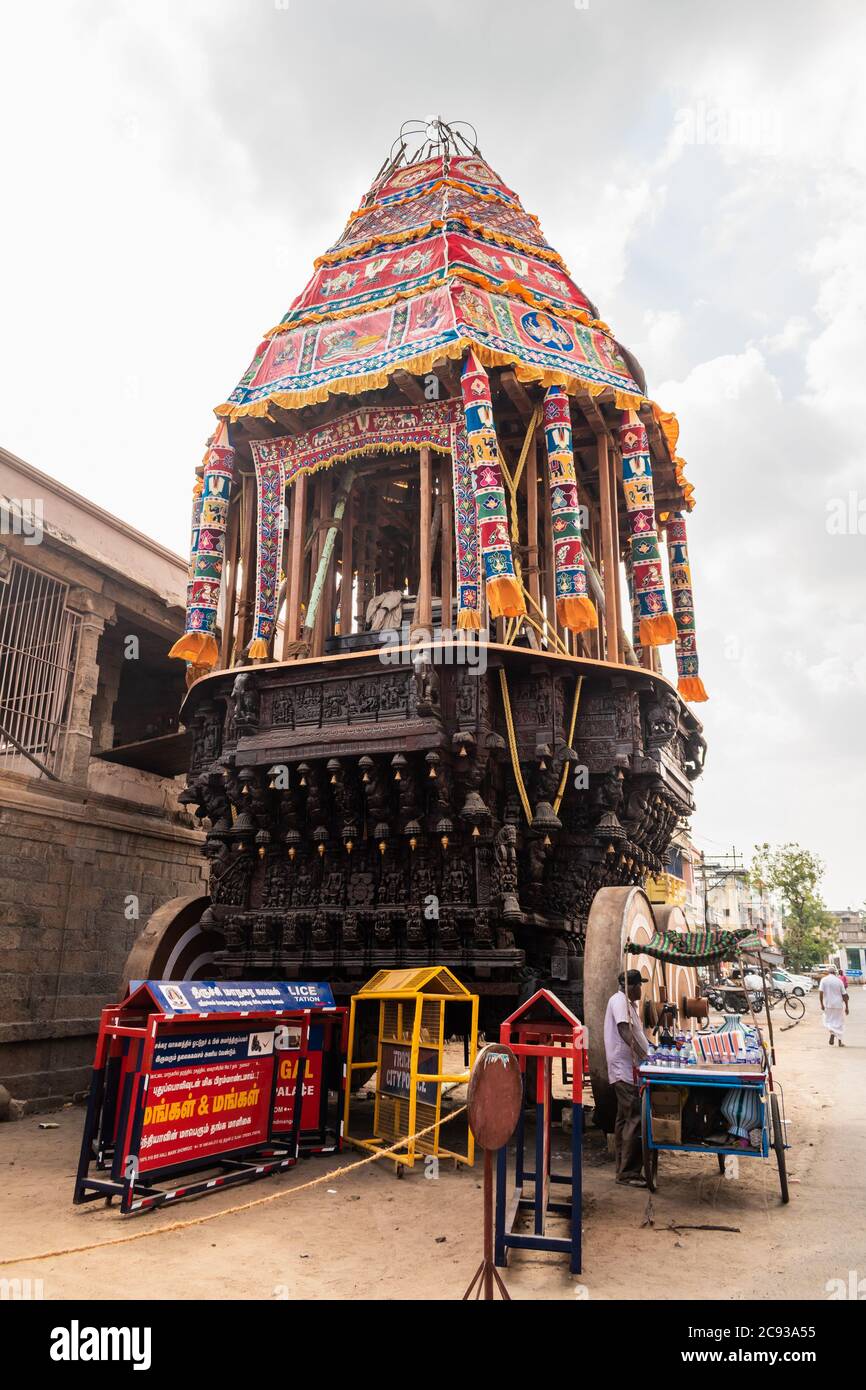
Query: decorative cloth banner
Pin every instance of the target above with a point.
(689, 684)
(574, 608)
(656, 623)
(374, 429)
(636, 643)
(198, 644)
(465, 535)
(271, 491)
(504, 593)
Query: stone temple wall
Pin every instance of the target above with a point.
(80, 873)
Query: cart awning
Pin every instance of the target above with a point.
(696, 947)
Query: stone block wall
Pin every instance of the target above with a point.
(80, 873)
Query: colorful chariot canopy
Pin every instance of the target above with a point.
(440, 257)
(441, 260)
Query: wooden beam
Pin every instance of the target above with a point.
(517, 394)
(411, 388)
(448, 376)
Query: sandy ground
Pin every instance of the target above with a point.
(374, 1237)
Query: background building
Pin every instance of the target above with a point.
(681, 883)
(851, 952)
(732, 901)
(92, 837)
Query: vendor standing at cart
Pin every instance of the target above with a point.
(626, 1046)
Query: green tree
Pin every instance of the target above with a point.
(795, 874)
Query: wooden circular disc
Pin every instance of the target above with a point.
(495, 1096)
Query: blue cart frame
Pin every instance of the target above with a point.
(772, 1126)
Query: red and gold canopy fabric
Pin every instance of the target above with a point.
(440, 257)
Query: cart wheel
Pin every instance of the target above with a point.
(794, 1007)
(650, 1156)
(779, 1146)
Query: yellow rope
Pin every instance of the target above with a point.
(551, 630)
(512, 744)
(563, 780)
(241, 1206)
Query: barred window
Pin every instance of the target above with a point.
(38, 649)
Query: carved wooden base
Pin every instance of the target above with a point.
(362, 815)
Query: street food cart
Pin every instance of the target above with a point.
(708, 1079)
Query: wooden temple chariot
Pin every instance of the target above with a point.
(410, 744)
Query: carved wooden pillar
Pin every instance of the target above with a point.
(295, 561)
(229, 595)
(249, 532)
(446, 578)
(324, 619)
(424, 604)
(347, 568)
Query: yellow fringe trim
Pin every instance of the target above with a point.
(577, 613)
(454, 272)
(692, 688)
(423, 190)
(360, 248)
(670, 428)
(258, 650)
(420, 366)
(198, 648)
(314, 316)
(658, 631)
(468, 620)
(505, 597)
(519, 291)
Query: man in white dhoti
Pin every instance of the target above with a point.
(834, 1001)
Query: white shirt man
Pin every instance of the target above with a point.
(834, 1001)
(625, 1046)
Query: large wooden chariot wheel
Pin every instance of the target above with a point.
(617, 916)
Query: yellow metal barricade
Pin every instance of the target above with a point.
(409, 1064)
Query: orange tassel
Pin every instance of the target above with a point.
(505, 597)
(258, 649)
(576, 613)
(468, 620)
(198, 648)
(692, 688)
(658, 631)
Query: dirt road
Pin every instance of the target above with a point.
(372, 1237)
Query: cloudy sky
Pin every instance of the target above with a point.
(171, 169)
